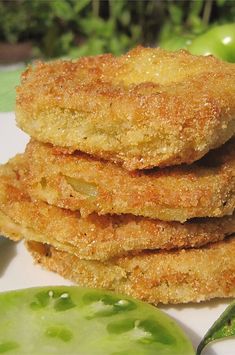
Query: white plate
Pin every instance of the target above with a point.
(18, 271)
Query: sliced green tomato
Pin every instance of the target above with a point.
(222, 328)
(176, 42)
(83, 187)
(73, 320)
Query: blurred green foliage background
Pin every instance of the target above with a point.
(31, 29)
(85, 27)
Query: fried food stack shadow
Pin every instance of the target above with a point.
(128, 182)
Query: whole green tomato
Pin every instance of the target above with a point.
(176, 42)
(218, 41)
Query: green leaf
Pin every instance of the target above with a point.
(66, 41)
(8, 82)
(176, 13)
(62, 9)
(224, 327)
(221, 2)
(117, 8)
(196, 7)
(125, 18)
(80, 5)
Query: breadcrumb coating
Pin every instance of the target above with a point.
(146, 108)
(94, 237)
(181, 276)
(79, 182)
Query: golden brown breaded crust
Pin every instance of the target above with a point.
(95, 237)
(9, 228)
(77, 181)
(183, 276)
(146, 108)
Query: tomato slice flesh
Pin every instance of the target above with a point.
(74, 320)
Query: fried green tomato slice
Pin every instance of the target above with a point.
(146, 108)
(80, 182)
(167, 277)
(74, 320)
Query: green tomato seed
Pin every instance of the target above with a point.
(106, 305)
(60, 333)
(120, 326)
(42, 301)
(8, 346)
(63, 304)
(155, 332)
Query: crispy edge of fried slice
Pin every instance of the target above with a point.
(80, 182)
(181, 107)
(9, 228)
(183, 276)
(97, 237)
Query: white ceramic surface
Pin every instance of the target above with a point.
(18, 271)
